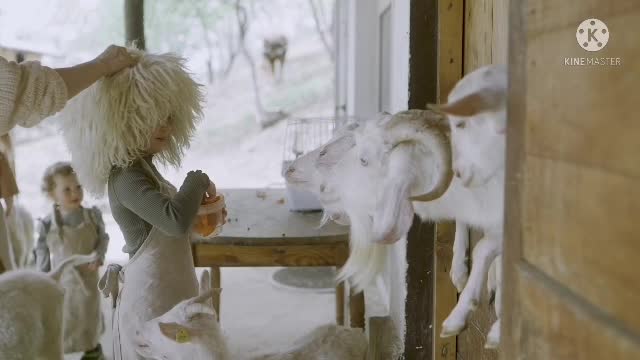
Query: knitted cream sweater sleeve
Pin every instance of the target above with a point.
(29, 92)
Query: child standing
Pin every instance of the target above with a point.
(72, 229)
(117, 131)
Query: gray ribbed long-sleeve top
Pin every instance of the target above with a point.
(137, 204)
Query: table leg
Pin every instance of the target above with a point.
(215, 284)
(340, 297)
(356, 310)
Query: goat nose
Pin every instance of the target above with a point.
(291, 170)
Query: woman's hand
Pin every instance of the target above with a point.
(115, 58)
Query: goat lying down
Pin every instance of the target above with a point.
(190, 330)
(426, 150)
(31, 306)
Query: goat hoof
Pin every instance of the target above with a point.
(452, 328)
(493, 337)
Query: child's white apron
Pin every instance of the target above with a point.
(83, 323)
(158, 276)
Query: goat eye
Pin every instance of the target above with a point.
(461, 125)
(323, 152)
(322, 187)
(364, 162)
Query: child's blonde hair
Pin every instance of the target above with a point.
(61, 168)
(110, 124)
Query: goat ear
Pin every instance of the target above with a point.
(486, 99)
(198, 311)
(176, 332)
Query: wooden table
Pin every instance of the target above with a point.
(261, 231)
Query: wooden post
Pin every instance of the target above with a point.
(423, 88)
(450, 66)
(216, 283)
(134, 23)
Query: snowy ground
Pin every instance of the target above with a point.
(233, 150)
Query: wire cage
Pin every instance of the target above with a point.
(303, 135)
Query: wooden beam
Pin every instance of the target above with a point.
(383, 338)
(419, 333)
(293, 255)
(134, 23)
(423, 89)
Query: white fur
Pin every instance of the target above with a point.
(109, 124)
(206, 341)
(397, 158)
(31, 306)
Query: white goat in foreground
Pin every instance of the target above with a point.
(31, 306)
(408, 157)
(190, 330)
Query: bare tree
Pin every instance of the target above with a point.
(265, 118)
(318, 18)
(134, 23)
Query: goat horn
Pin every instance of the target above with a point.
(439, 123)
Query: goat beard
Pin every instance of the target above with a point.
(394, 215)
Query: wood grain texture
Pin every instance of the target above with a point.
(445, 293)
(262, 217)
(554, 325)
(581, 235)
(571, 234)
(294, 255)
(383, 338)
(450, 67)
(478, 34)
(579, 114)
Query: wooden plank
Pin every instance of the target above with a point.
(383, 338)
(598, 127)
(511, 252)
(550, 15)
(356, 310)
(262, 217)
(478, 34)
(450, 40)
(216, 283)
(295, 255)
(500, 38)
(418, 341)
(592, 260)
(423, 88)
(554, 325)
(446, 295)
(450, 64)
(340, 304)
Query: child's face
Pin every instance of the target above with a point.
(160, 139)
(67, 192)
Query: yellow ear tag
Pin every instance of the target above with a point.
(182, 336)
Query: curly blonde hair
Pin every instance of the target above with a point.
(110, 124)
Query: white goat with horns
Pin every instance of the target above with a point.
(404, 163)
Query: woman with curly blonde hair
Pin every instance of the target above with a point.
(141, 115)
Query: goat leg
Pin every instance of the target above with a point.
(484, 253)
(459, 272)
(493, 337)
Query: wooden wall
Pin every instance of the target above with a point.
(572, 240)
(485, 42)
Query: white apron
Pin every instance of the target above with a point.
(158, 276)
(83, 323)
